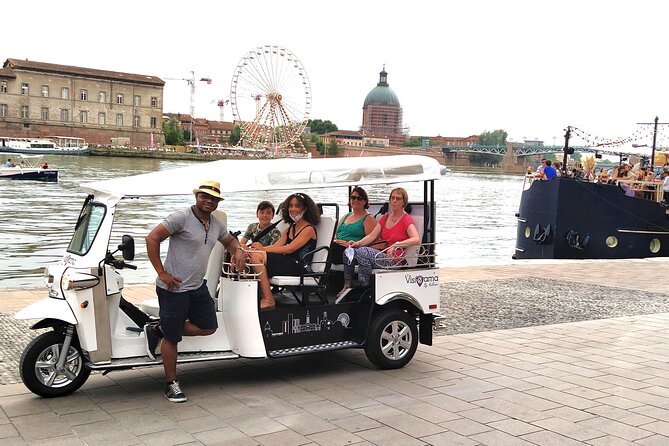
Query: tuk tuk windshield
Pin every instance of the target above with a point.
(87, 227)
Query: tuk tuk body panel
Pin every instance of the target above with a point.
(303, 329)
(238, 302)
(421, 284)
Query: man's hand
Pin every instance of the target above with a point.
(239, 261)
(257, 246)
(169, 280)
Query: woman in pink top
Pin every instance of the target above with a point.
(396, 228)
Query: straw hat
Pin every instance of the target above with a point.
(209, 187)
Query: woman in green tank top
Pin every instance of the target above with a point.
(354, 225)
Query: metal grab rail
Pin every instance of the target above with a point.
(425, 256)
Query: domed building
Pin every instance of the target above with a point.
(382, 113)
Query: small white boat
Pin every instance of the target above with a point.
(51, 145)
(29, 168)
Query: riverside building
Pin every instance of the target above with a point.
(42, 99)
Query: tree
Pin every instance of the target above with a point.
(235, 136)
(173, 132)
(333, 147)
(321, 127)
(415, 141)
(494, 138)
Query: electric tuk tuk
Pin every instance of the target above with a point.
(93, 328)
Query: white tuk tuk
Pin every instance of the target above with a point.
(94, 328)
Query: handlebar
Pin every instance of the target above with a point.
(118, 264)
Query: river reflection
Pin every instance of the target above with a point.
(475, 215)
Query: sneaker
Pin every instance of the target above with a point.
(173, 392)
(153, 337)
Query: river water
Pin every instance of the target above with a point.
(475, 215)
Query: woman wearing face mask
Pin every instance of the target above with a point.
(284, 258)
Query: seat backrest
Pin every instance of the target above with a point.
(411, 253)
(324, 235)
(213, 273)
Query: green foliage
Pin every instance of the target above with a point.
(235, 136)
(321, 127)
(493, 138)
(320, 146)
(485, 159)
(413, 142)
(333, 147)
(173, 132)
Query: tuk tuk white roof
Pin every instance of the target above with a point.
(273, 174)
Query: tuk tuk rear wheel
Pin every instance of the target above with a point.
(39, 361)
(392, 339)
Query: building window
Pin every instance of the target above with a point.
(65, 93)
(119, 120)
(45, 91)
(24, 89)
(154, 122)
(154, 101)
(135, 121)
(83, 117)
(65, 115)
(83, 95)
(3, 87)
(102, 97)
(24, 112)
(102, 119)
(3, 110)
(119, 98)
(45, 113)
(137, 100)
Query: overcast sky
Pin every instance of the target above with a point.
(458, 67)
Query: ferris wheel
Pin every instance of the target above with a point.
(270, 96)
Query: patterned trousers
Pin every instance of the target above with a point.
(367, 259)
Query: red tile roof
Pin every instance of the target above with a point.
(6, 72)
(30, 65)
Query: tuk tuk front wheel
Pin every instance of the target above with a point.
(39, 370)
(392, 339)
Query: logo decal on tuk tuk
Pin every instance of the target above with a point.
(422, 281)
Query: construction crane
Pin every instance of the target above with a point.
(221, 105)
(191, 82)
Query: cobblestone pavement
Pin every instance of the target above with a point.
(470, 306)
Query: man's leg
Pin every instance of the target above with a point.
(168, 351)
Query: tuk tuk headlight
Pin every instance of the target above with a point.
(79, 282)
(48, 278)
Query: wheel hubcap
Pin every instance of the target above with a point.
(396, 340)
(48, 372)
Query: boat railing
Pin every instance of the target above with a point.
(649, 190)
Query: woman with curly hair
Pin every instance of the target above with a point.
(285, 257)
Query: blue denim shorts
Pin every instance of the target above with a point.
(196, 306)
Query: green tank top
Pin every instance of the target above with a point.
(352, 232)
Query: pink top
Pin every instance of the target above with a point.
(398, 232)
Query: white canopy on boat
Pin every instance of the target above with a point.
(274, 174)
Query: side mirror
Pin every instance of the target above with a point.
(127, 247)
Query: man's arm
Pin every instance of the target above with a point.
(153, 241)
(238, 256)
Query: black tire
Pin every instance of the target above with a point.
(392, 339)
(41, 350)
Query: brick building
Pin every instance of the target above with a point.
(41, 99)
(382, 113)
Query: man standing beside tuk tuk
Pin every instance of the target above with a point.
(186, 307)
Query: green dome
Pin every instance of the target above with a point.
(382, 96)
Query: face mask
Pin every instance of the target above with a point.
(297, 217)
